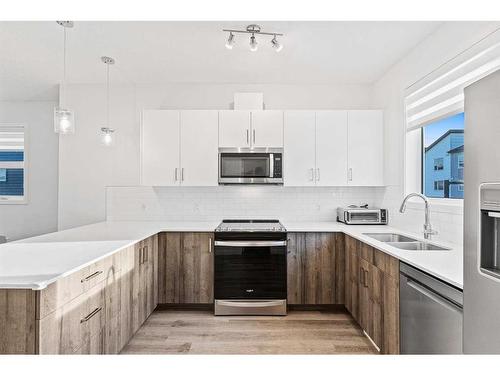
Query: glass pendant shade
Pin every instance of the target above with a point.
(64, 121)
(107, 136)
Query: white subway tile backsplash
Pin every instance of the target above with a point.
(216, 203)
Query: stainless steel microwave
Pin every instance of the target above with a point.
(250, 166)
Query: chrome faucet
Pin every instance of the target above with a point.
(428, 231)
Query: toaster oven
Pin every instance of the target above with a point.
(361, 215)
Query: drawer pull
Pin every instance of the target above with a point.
(90, 277)
(88, 317)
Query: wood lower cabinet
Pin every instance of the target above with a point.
(185, 268)
(372, 293)
(95, 310)
(315, 268)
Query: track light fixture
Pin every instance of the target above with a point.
(230, 41)
(253, 30)
(276, 45)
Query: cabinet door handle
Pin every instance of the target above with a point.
(253, 135)
(317, 174)
(175, 174)
(366, 278)
(350, 174)
(248, 137)
(209, 244)
(146, 254)
(141, 255)
(88, 317)
(312, 175)
(361, 275)
(90, 277)
(182, 174)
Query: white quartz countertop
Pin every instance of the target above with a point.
(36, 262)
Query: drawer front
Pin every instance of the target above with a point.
(65, 330)
(66, 289)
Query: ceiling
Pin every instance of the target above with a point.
(166, 52)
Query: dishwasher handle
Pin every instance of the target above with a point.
(433, 296)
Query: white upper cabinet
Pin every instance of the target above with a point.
(299, 148)
(267, 129)
(331, 148)
(234, 129)
(365, 148)
(199, 148)
(160, 148)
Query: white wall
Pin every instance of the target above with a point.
(441, 46)
(86, 168)
(39, 215)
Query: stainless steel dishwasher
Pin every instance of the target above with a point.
(430, 314)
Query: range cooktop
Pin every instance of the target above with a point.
(250, 226)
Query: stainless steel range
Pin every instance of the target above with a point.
(250, 268)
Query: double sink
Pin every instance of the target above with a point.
(404, 242)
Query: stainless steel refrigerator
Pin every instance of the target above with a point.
(482, 216)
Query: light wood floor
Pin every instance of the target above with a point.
(199, 332)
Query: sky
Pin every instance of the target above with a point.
(435, 130)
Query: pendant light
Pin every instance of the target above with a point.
(107, 137)
(64, 119)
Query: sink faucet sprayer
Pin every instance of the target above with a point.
(428, 231)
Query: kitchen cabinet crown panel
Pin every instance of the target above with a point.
(160, 148)
(199, 148)
(365, 148)
(299, 148)
(267, 129)
(234, 129)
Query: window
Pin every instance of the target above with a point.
(442, 155)
(438, 164)
(12, 164)
(439, 185)
(434, 107)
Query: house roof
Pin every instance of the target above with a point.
(456, 149)
(451, 131)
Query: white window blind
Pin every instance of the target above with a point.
(11, 140)
(441, 93)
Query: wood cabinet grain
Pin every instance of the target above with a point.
(185, 268)
(315, 268)
(17, 321)
(372, 293)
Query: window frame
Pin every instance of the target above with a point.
(24, 199)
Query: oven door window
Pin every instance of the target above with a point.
(250, 272)
(245, 165)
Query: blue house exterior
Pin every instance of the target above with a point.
(11, 179)
(443, 166)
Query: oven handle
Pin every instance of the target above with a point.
(249, 243)
(250, 304)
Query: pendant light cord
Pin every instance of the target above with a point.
(63, 85)
(107, 95)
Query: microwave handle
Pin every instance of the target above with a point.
(346, 216)
(271, 165)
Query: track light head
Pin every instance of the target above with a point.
(276, 45)
(230, 41)
(253, 43)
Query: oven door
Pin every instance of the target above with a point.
(247, 167)
(250, 269)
